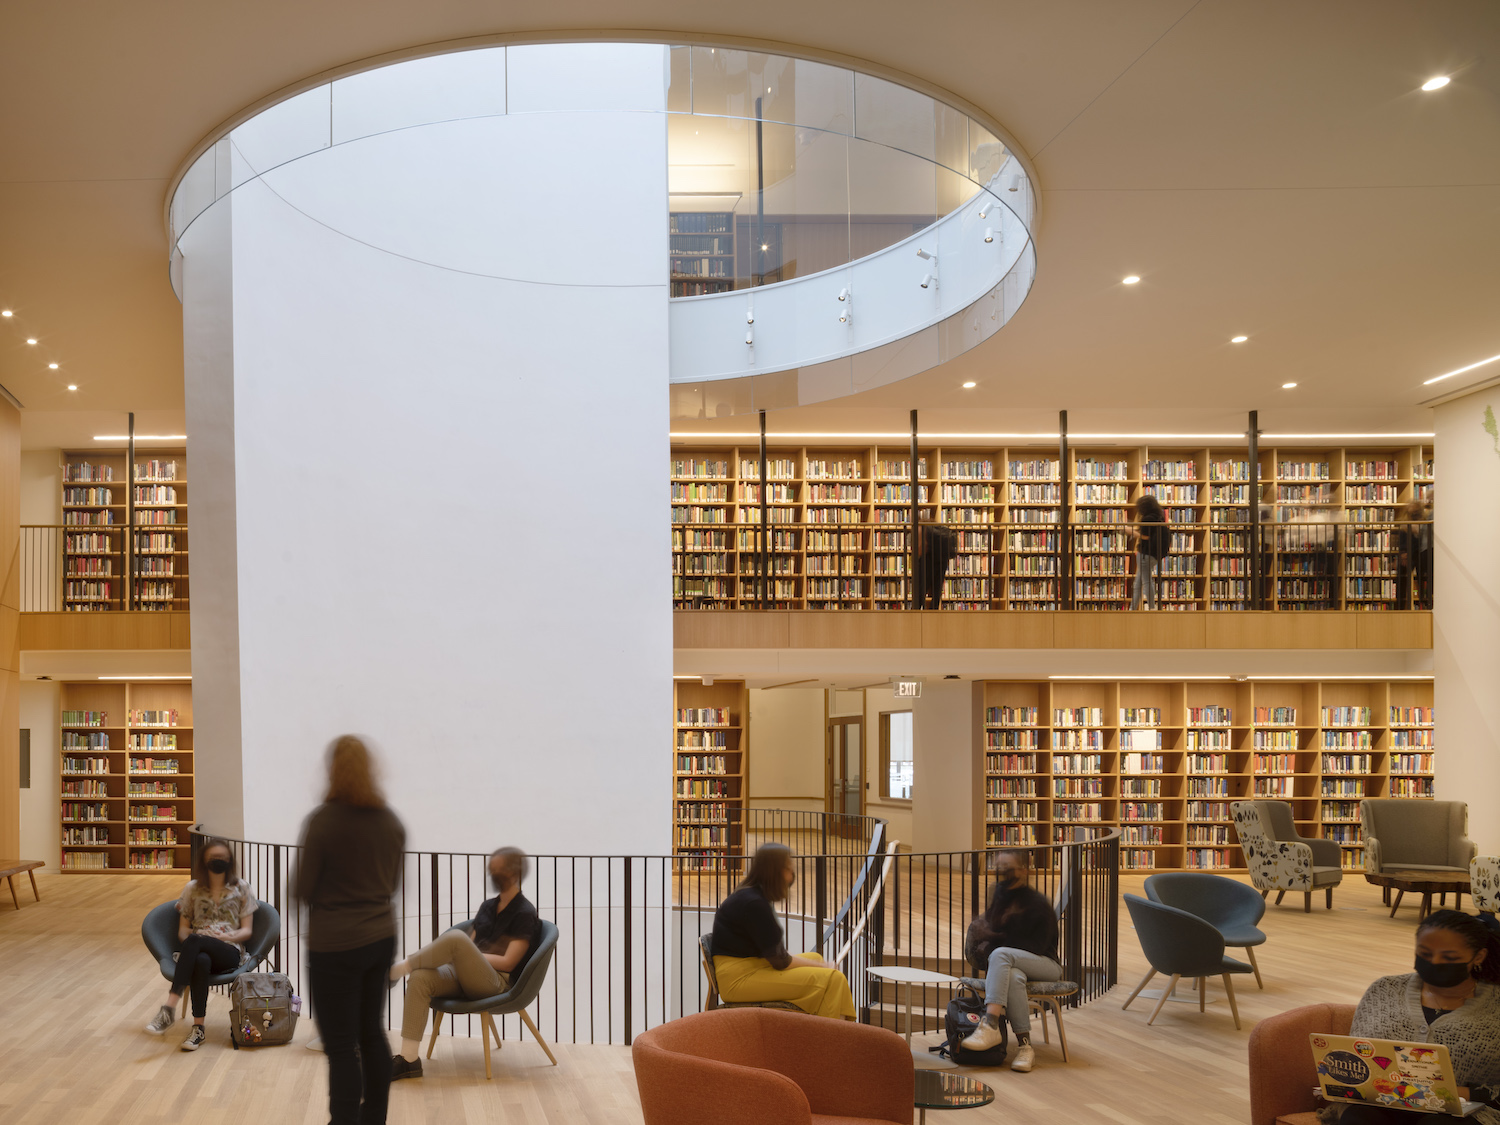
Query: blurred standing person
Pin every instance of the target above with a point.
(937, 547)
(350, 869)
(1152, 537)
(1415, 537)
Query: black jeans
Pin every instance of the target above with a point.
(348, 995)
(200, 958)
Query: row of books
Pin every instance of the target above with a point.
(703, 716)
(85, 788)
(154, 765)
(702, 763)
(702, 740)
(1207, 787)
(153, 812)
(694, 788)
(85, 765)
(78, 740)
(155, 494)
(167, 717)
(72, 837)
(85, 810)
(166, 836)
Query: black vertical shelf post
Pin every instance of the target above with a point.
(911, 545)
(1064, 530)
(1257, 598)
(765, 531)
(127, 546)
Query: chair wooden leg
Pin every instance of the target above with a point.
(12, 883)
(1167, 992)
(537, 1035)
(1062, 1036)
(1233, 1007)
(1250, 953)
(1265, 892)
(1327, 898)
(437, 1025)
(1202, 985)
(1281, 894)
(1307, 902)
(184, 1004)
(38, 894)
(484, 1034)
(1144, 982)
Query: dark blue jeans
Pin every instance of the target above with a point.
(200, 958)
(348, 994)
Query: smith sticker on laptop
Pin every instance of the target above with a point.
(1411, 1076)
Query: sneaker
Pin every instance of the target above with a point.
(165, 1017)
(985, 1036)
(1025, 1058)
(196, 1038)
(401, 1067)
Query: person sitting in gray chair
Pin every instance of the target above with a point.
(507, 930)
(215, 914)
(1013, 941)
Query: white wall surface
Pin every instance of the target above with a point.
(433, 330)
(1466, 612)
(41, 829)
(787, 748)
(41, 486)
(943, 767)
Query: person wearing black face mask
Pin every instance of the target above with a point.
(1451, 998)
(1013, 941)
(506, 931)
(214, 913)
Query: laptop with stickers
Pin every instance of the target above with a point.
(1384, 1072)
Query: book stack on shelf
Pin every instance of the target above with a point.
(837, 525)
(710, 772)
(127, 776)
(1164, 761)
(702, 252)
(108, 565)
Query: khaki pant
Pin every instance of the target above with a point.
(450, 966)
(819, 992)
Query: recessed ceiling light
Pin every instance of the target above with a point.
(6, 312)
(1435, 83)
(1459, 371)
(765, 246)
(970, 386)
(72, 386)
(1131, 280)
(1238, 339)
(31, 339)
(1287, 386)
(52, 366)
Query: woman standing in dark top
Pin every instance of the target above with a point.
(750, 957)
(1152, 540)
(350, 868)
(1012, 942)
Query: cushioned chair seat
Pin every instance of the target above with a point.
(1282, 1074)
(1435, 868)
(1327, 876)
(1050, 987)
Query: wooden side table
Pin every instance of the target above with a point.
(10, 868)
(1425, 883)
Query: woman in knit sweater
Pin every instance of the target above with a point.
(1452, 998)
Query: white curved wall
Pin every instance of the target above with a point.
(407, 362)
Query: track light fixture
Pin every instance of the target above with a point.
(925, 255)
(750, 337)
(989, 234)
(1013, 182)
(844, 293)
(929, 281)
(750, 313)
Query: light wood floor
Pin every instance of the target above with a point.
(76, 986)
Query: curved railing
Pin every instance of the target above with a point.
(628, 956)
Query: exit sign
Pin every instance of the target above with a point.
(908, 689)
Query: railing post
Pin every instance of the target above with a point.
(1064, 535)
(434, 896)
(1257, 563)
(276, 899)
(629, 975)
(974, 904)
(1073, 917)
(895, 906)
(1112, 912)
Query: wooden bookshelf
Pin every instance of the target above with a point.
(710, 771)
(1163, 760)
(120, 809)
(108, 565)
(840, 542)
(702, 252)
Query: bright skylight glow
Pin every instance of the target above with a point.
(1435, 83)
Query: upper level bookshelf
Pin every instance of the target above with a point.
(710, 770)
(127, 776)
(125, 540)
(702, 252)
(837, 518)
(1163, 761)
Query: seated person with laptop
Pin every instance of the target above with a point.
(506, 931)
(1452, 999)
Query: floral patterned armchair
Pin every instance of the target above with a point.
(1484, 882)
(1284, 864)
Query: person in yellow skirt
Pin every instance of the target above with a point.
(750, 957)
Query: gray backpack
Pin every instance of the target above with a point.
(262, 1010)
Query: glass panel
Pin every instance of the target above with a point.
(680, 80)
(951, 142)
(418, 92)
(824, 96)
(899, 755)
(281, 133)
(806, 224)
(894, 115)
(892, 195)
(853, 755)
(720, 82)
(986, 154)
(712, 188)
(953, 191)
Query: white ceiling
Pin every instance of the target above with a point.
(1267, 168)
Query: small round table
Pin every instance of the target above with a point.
(909, 976)
(939, 1090)
(1425, 883)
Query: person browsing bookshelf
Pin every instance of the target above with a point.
(1452, 998)
(1152, 538)
(1012, 942)
(507, 930)
(214, 917)
(749, 947)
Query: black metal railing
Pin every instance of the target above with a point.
(103, 567)
(628, 955)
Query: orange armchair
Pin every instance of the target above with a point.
(1282, 1075)
(760, 1066)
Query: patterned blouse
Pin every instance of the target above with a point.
(217, 919)
(1391, 1008)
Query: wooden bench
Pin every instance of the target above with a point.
(10, 868)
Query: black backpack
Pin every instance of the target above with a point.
(965, 1011)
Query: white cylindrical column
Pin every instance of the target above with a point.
(427, 394)
(1466, 611)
